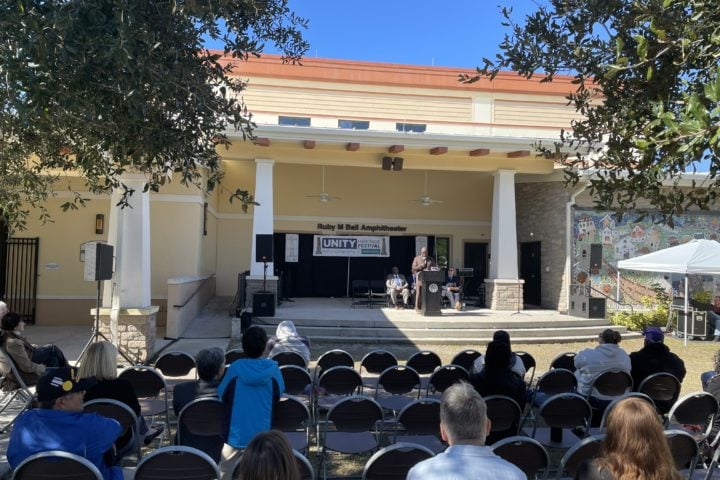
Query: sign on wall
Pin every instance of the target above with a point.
(292, 242)
(350, 246)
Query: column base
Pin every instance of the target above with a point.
(135, 332)
(504, 294)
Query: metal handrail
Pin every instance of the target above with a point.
(632, 310)
(195, 292)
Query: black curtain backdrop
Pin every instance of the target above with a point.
(327, 276)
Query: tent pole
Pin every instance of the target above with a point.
(686, 309)
(617, 288)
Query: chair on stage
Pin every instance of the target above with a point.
(378, 293)
(360, 293)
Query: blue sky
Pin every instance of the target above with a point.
(453, 33)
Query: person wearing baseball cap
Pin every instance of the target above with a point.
(654, 357)
(61, 424)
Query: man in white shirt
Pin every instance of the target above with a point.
(464, 426)
(397, 284)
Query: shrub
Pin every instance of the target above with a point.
(636, 321)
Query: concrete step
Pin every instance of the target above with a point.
(464, 340)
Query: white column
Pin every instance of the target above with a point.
(503, 242)
(129, 233)
(263, 213)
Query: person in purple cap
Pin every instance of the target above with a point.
(61, 424)
(655, 357)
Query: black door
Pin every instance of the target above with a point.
(530, 271)
(475, 257)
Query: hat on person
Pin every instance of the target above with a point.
(58, 382)
(10, 321)
(653, 335)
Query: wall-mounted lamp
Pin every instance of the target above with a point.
(99, 224)
(392, 163)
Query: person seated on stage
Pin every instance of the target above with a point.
(515, 364)
(452, 289)
(61, 424)
(421, 263)
(30, 360)
(210, 364)
(713, 315)
(286, 339)
(100, 362)
(397, 284)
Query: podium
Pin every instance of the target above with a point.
(431, 299)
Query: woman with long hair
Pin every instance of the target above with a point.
(268, 456)
(634, 448)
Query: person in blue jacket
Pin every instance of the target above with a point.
(60, 424)
(251, 387)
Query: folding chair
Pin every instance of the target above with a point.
(552, 382)
(234, 354)
(684, 450)
(698, 409)
(304, 466)
(424, 363)
(395, 461)
(175, 366)
(55, 464)
(525, 453)
(603, 421)
(561, 412)
(356, 421)
(177, 463)
(297, 381)
(530, 365)
(421, 424)
(203, 424)
(335, 383)
(151, 390)
(373, 364)
(466, 359)
(663, 388)
(360, 293)
(292, 417)
(395, 387)
(289, 358)
(564, 360)
(444, 377)
(10, 376)
(125, 416)
(586, 449)
(504, 414)
(333, 358)
(378, 293)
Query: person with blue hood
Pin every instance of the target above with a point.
(251, 387)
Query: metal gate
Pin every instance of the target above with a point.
(19, 287)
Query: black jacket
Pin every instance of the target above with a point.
(655, 358)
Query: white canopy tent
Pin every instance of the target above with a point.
(693, 257)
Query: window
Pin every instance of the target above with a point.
(442, 251)
(354, 124)
(294, 121)
(411, 127)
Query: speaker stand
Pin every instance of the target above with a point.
(518, 312)
(264, 275)
(97, 335)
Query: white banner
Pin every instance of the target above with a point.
(292, 242)
(349, 246)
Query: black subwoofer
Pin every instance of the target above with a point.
(264, 304)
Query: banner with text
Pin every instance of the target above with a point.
(349, 246)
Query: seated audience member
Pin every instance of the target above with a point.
(592, 361)
(634, 447)
(452, 289)
(706, 376)
(286, 339)
(210, 368)
(251, 387)
(100, 361)
(464, 426)
(60, 424)
(268, 456)
(496, 377)
(397, 284)
(30, 360)
(655, 357)
(516, 364)
(713, 315)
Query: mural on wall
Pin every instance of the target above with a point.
(630, 238)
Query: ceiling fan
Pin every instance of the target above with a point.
(323, 196)
(425, 199)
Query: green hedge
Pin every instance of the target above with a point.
(638, 320)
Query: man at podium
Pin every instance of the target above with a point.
(421, 263)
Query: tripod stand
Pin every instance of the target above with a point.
(97, 335)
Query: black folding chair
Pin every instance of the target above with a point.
(360, 293)
(395, 387)
(373, 364)
(663, 388)
(56, 465)
(289, 358)
(529, 364)
(587, 448)
(292, 417)
(444, 377)
(175, 463)
(564, 360)
(203, 424)
(525, 453)
(504, 414)
(424, 363)
(14, 388)
(126, 417)
(466, 359)
(395, 461)
(561, 412)
(420, 422)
